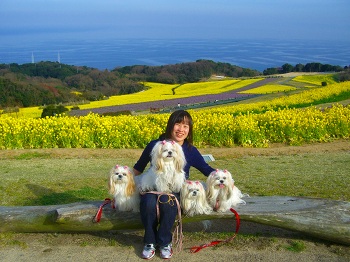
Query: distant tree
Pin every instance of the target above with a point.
(166, 77)
(53, 110)
(299, 68)
(344, 76)
(80, 81)
(287, 68)
(271, 71)
(312, 67)
(327, 68)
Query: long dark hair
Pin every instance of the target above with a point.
(179, 116)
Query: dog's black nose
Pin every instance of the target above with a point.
(221, 181)
(194, 193)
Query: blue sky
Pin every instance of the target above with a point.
(231, 19)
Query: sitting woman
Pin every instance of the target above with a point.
(158, 233)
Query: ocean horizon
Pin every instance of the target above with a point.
(111, 53)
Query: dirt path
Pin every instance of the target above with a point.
(266, 244)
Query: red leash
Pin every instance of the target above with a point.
(195, 249)
(98, 215)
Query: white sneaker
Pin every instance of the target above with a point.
(148, 251)
(166, 252)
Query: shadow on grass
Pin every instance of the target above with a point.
(126, 238)
(46, 196)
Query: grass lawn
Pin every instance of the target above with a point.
(59, 176)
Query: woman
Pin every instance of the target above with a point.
(158, 233)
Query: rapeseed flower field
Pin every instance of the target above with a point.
(290, 119)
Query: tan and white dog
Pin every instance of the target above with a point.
(123, 189)
(193, 199)
(222, 194)
(166, 173)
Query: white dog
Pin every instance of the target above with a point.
(166, 173)
(123, 189)
(222, 194)
(193, 199)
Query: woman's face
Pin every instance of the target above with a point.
(180, 132)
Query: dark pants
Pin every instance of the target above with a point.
(158, 233)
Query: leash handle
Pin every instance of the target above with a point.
(196, 249)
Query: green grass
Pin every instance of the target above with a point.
(296, 246)
(316, 79)
(49, 179)
(7, 240)
(310, 175)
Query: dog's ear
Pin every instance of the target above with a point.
(201, 187)
(211, 175)
(155, 153)
(180, 160)
(131, 185)
(229, 176)
(210, 186)
(111, 184)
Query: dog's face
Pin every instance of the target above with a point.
(121, 176)
(192, 190)
(220, 179)
(167, 150)
(193, 198)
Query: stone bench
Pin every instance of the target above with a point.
(320, 218)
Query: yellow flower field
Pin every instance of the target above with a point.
(306, 98)
(251, 125)
(157, 91)
(292, 126)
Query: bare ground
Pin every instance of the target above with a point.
(253, 243)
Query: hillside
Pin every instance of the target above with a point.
(46, 83)
(55, 83)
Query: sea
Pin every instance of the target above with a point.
(108, 54)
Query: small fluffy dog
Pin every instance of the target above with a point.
(193, 199)
(123, 189)
(166, 172)
(222, 194)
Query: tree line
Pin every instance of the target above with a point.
(309, 67)
(185, 72)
